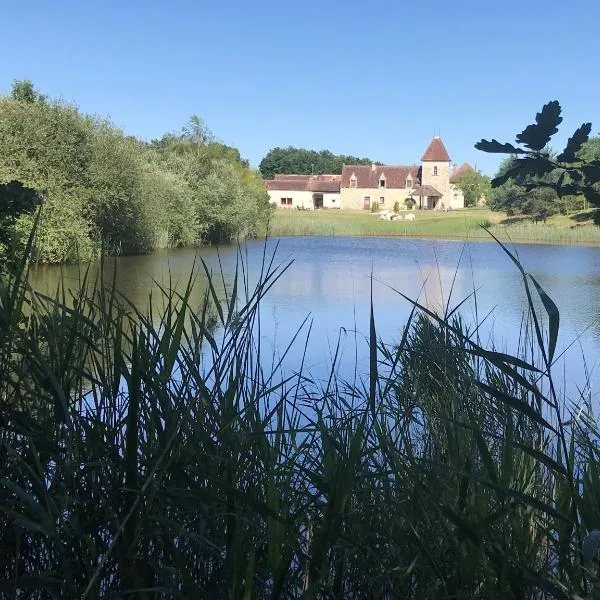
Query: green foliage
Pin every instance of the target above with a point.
(227, 198)
(130, 469)
(301, 161)
(127, 221)
(575, 171)
(397, 206)
(541, 203)
(105, 189)
(474, 185)
(24, 91)
(16, 200)
(375, 207)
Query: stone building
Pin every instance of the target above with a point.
(430, 185)
(305, 191)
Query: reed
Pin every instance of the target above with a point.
(148, 455)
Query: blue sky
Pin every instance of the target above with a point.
(374, 80)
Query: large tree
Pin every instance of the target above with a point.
(474, 185)
(304, 162)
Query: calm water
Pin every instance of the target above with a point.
(330, 282)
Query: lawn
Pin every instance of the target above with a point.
(458, 224)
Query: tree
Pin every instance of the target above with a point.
(570, 173)
(23, 91)
(540, 203)
(474, 185)
(105, 189)
(305, 162)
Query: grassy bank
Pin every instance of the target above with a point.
(143, 457)
(459, 224)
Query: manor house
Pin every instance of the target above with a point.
(432, 185)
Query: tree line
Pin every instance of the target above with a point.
(305, 162)
(102, 189)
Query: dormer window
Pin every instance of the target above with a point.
(382, 182)
(409, 182)
(435, 171)
(353, 181)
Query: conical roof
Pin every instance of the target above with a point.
(436, 151)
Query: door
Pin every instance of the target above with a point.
(367, 202)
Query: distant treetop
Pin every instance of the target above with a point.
(23, 90)
(304, 162)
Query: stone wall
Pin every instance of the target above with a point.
(299, 198)
(441, 181)
(353, 198)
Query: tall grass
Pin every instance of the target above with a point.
(539, 232)
(144, 456)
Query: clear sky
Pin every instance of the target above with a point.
(369, 79)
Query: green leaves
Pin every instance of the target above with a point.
(575, 143)
(575, 171)
(537, 136)
(591, 545)
(103, 189)
(495, 146)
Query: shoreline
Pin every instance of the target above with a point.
(442, 238)
(576, 229)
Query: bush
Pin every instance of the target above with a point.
(396, 207)
(105, 189)
(375, 207)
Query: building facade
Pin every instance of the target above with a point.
(430, 185)
(305, 192)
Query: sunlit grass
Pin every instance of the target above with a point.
(458, 224)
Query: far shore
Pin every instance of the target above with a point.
(574, 229)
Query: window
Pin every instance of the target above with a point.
(409, 183)
(435, 170)
(289, 201)
(382, 183)
(333, 201)
(367, 202)
(353, 181)
(381, 200)
(283, 202)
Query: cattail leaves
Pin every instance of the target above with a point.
(182, 466)
(553, 318)
(591, 545)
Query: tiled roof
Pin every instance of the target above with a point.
(460, 171)
(286, 176)
(436, 151)
(426, 190)
(310, 183)
(286, 184)
(368, 176)
(324, 186)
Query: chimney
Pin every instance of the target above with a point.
(373, 167)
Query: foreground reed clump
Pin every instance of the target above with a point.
(150, 456)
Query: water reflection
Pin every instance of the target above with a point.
(330, 281)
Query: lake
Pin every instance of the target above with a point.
(330, 283)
